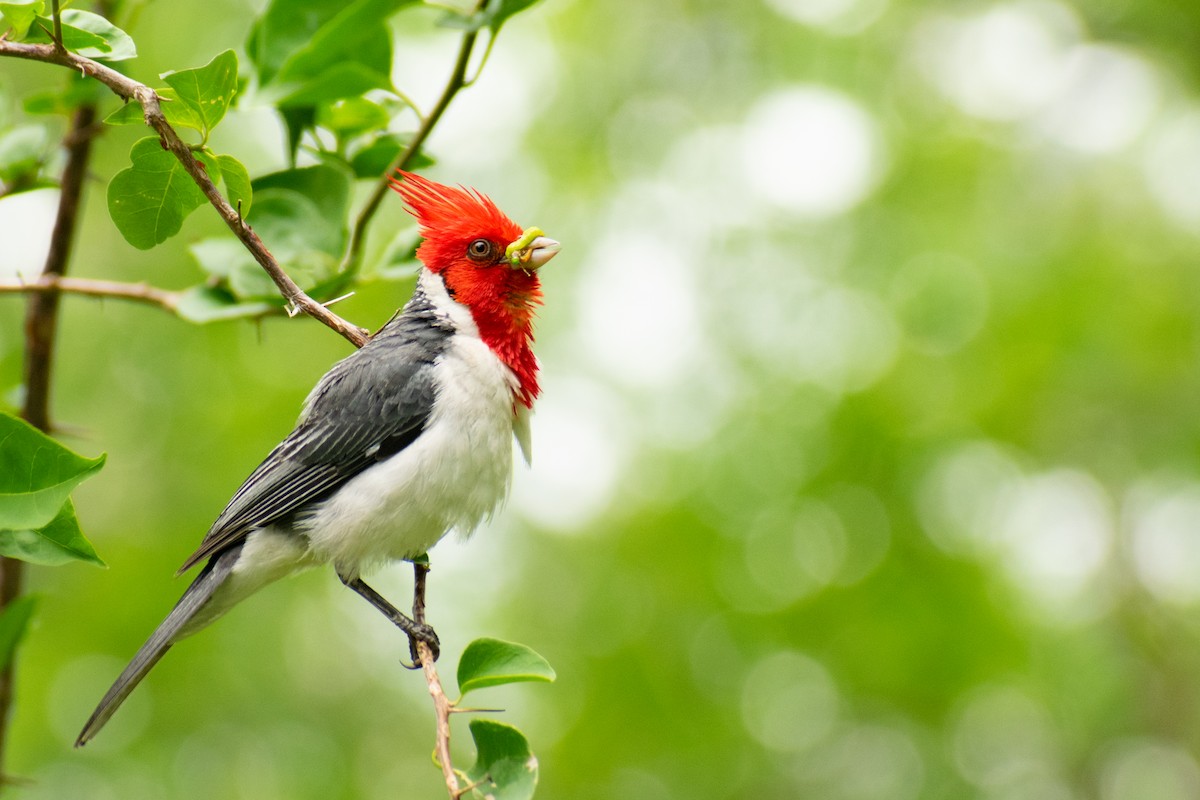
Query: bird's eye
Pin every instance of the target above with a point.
(480, 250)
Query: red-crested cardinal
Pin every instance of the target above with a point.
(402, 441)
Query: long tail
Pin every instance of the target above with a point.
(212, 576)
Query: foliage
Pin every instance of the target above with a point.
(881, 498)
(492, 662)
(87, 34)
(37, 476)
(325, 69)
(504, 769)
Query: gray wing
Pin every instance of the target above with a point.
(369, 407)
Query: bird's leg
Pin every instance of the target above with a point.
(416, 630)
(420, 570)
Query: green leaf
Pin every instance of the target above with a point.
(22, 151)
(203, 304)
(504, 769)
(128, 114)
(87, 34)
(399, 259)
(348, 79)
(149, 200)
(207, 90)
(293, 224)
(240, 274)
(297, 121)
(372, 160)
(120, 44)
(352, 116)
(330, 52)
(285, 27)
(37, 474)
(77, 40)
(14, 621)
(492, 662)
(57, 543)
(237, 182)
(221, 256)
(178, 113)
(327, 186)
(301, 212)
(356, 33)
(17, 17)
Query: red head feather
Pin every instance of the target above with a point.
(501, 299)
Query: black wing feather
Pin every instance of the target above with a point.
(371, 405)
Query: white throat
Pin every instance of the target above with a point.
(435, 289)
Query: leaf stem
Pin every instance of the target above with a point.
(57, 16)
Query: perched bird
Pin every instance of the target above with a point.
(402, 441)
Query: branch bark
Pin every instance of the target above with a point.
(129, 89)
(442, 705)
(443, 708)
(88, 287)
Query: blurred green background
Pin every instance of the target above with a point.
(867, 465)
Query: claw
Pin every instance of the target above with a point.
(423, 633)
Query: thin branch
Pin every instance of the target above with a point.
(138, 292)
(442, 705)
(129, 89)
(442, 708)
(457, 81)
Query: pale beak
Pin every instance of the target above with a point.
(531, 251)
(540, 250)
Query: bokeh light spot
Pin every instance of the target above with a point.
(576, 459)
(842, 17)
(638, 309)
(789, 702)
(1002, 63)
(1171, 165)
(1001, 737)
(812, 151)
(1107, 99)
(1165, 541)
(1144, 769)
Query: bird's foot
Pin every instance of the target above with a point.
(420, 632)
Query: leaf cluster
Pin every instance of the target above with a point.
(37, 518)
(505, 767)
(26, 150)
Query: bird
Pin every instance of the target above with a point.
(404, 440)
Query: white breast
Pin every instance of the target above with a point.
(452, 477)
